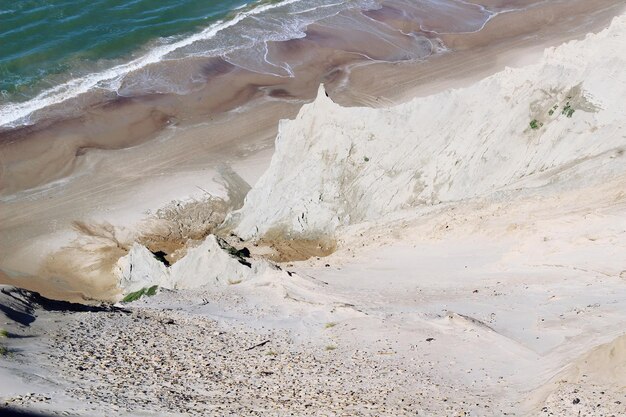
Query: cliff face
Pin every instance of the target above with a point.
(559, 123)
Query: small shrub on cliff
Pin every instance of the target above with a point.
(535, 124)
(134, 296)
(568, 110)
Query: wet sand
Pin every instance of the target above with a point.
(125, 156)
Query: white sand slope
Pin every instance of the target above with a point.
(489, 220)
(336, 166)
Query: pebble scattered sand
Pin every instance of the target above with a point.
(171, 362)
(585, 399)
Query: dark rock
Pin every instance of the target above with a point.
(161, 257)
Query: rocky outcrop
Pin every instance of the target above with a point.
(139, 269)
(213, 262)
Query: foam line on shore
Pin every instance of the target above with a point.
(18, 114)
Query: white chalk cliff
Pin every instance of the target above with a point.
(556, 122)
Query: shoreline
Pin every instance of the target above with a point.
(321, 21)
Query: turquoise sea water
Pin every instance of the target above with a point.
(43, 41)
(53, 51)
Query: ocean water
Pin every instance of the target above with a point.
(44, 42)
(55, 50)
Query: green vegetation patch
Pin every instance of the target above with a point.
(568, 110)
(535, 124)
(134, 296)
(4, 333)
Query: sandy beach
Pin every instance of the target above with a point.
(379, 235)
